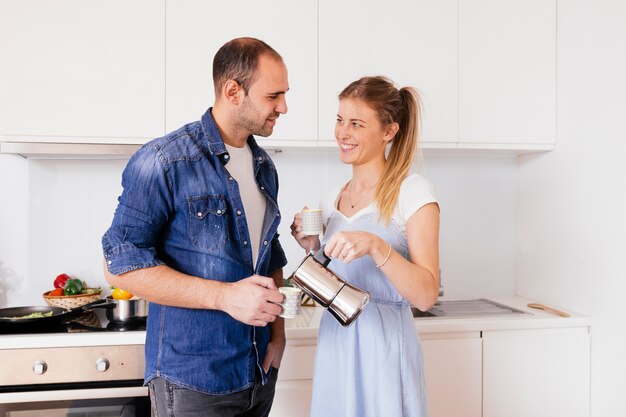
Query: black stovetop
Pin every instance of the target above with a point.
(90, 321)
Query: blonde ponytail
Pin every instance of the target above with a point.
(401, 153)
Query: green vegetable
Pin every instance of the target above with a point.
(35, 315)
(73, 286)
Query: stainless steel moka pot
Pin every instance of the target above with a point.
(344, 301)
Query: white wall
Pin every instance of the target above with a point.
(572, 202)
(54, 212)
(14, 228)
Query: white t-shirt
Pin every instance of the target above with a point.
(241, 167)
(415, 192)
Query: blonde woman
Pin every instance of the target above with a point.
(382, 233)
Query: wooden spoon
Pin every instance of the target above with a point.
(549, 309)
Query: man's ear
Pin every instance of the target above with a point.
(231, 91)
(392, 129)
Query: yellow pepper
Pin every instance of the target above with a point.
(120, 294)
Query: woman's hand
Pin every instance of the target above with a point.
(308, 243)
(348, 246)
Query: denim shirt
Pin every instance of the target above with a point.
(181, 207)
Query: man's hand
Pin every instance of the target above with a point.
(274, 355)
(252, 300)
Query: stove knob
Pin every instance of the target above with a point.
(102, 365)
(40, 367)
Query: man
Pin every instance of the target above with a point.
(195, 233)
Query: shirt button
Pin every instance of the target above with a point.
(259, 159)
(262, 188)
(230, 178)
(199, 214)
(245, 242)
(109, 262)
(226, 157)
(238, 212)
(219, 212)
(265, 242)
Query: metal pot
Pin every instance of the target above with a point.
(344, 301)
(127, 311)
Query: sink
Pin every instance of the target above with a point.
(479, 307)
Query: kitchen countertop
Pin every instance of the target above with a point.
(306, 327)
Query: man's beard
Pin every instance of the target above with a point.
(251, 120)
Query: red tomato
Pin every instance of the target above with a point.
(60, 281)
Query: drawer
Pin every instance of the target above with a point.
(59, 365)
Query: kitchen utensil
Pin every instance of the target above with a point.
(126, 311)
(12, 314)
(343, 300)
(549, 309)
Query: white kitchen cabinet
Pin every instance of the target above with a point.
(453, 369)
(295, 379)
(82, 71)
(541, 372)
(196, 29)
(507, 73)
(413, 43)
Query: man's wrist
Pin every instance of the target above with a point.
(218, 300)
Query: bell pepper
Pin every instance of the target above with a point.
(120, 294)
(56, 292)
(61, 280)
(72, 287)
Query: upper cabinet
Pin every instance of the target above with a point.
(413, 43)
(507, 73)
(83, 71)
(121, 72)
(196, 29)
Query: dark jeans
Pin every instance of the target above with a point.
(170, 400)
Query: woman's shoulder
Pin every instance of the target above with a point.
(415, 192)
(415, 183)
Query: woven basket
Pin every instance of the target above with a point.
(70, 301)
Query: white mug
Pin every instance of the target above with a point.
(311, 222)
(291, 305)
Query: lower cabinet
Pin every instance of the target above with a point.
(540, 372)
(495, 373)
(295, 379)
(453, 370)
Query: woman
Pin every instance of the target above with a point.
(382, 233)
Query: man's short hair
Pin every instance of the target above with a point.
(238, 60)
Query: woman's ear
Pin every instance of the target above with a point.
(392, 129)
(231, 91)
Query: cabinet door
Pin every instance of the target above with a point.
(292, 399)
(413, 43)
(536, 373)
(92, 70)
(295, 379)
(507, 76)
(453, 364)
(196, 29)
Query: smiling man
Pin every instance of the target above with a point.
(195, 233)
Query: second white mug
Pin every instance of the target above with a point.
(311, 221)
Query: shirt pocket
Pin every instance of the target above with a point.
(208, 222)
